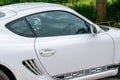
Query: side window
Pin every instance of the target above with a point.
(57, 23)
(20, 27)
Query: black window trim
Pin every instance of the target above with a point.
(34, 33)
(23, 18)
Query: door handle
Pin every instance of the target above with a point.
(47, 52)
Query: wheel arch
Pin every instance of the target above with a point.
(7, 72)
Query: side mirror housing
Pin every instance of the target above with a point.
(94, 29)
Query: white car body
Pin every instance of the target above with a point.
(93, 55)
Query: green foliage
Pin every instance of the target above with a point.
(87, 8)
(58, 1)
(88, 11)
(113, 11)
(2, 2)
(84, 7)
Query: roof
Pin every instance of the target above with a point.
(23, 6)
(11, 10)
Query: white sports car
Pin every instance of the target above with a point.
(43, 41)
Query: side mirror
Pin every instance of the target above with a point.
(94, 30)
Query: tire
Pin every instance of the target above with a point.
(3, 76)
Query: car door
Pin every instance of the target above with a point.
(65, 44)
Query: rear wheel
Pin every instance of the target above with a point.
(3, 76)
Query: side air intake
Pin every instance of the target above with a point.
(33, 66)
